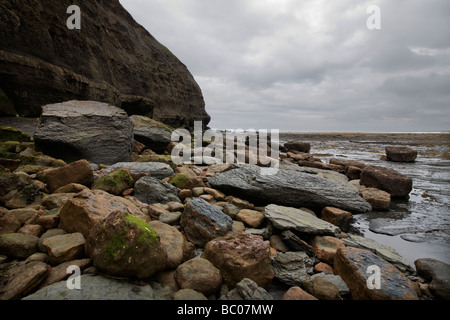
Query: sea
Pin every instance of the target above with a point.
(418, 227)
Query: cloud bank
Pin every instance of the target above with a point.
(311, 65)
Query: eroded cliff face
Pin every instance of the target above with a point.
(110, 59)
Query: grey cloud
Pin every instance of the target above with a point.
(311, 65)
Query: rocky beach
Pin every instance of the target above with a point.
(100, 200)
(141, 227)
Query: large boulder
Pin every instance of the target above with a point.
(111, 59)
(289, 188)
(401, 154)
(241, 255)
(87, 208)
(89, 130)
(357, 267)
(389, 180)
(126, 246)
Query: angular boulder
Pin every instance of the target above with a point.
(295, 219)
(289, 188)
(77, 172)
(152, 190)
(89, 130)
(126, 246)
(18, 245)
(241, 255)
(292, 268)
(379, 200)
(298, 146)
(115, 182)
(389, 180)
(65, 247)
(357, 267)
(202, 222)
(338, 217)
(438, 273)
(401, 154)
(82, 212)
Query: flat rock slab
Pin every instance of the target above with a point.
(355, 266)
(401, 154)
(89, 130)
(387, 253)
(96, 288)
(289, 188)
(295, 219)
(20, 278)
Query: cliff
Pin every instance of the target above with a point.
(110, 59)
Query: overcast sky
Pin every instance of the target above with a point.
(311, 65)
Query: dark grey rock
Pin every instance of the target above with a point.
(438, 273)
(292, 268)
(203, 222)
(152, 190)
(289, 188)
(89, 130)
(247, 289)
(96, 288)
(291, 218)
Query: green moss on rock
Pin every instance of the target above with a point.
(180, 180)
(148, 235)
(115, 182)
(13, 134)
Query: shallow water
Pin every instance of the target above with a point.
(418, 227)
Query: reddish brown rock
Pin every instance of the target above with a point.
(355, 267)
(19, 279)
(401, 154)
(77, 172)
(338, 217)
(82, 212)
(379, 200)
(125, 246)
(177, 247)
(389, 180)
(241, 255)
(64, 247)
(297, 293)
(200, 275)
(325, 247)
(251, 218)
